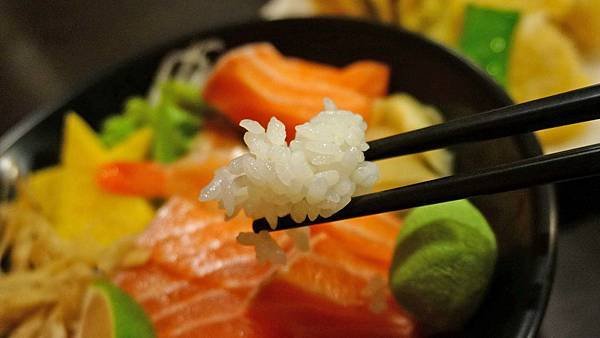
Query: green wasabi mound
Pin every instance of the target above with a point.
(442, 264)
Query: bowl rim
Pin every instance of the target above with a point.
(544, 197)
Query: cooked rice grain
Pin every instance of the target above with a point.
(316, 174)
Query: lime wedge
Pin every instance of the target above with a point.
(108, 312)
(443, 262)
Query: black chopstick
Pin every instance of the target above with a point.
(562, 166)
(567, 108)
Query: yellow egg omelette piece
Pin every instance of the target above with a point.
(69, 196)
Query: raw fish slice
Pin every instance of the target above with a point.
(195, 284)
(331, 291)
(367, 77)
(371, 237)
(181, 307)
(255, 81)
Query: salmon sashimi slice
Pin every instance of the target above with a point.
(370, 237)
(199, 282)
(255, 81)
(304, 314)
(182, 307)
(333, 290)
(193, 239)
(366, 77)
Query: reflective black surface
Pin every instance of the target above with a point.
(47, 49)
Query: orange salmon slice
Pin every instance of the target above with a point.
(199, 282)
(255, 81)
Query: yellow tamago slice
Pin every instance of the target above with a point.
(83, 149)
(68, 195)
(42, 189)
(88, 215)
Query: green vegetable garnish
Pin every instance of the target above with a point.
(442, 264)
(174, 129)
(487, 39)
(174, 120)
(182, 94)
(116, 128)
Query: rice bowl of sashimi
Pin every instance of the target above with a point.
(129, 207)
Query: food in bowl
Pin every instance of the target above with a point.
(509, 39)
(122, 208)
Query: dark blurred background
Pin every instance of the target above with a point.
(50, 48)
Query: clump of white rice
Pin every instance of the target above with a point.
(266, 247)
(316, 174)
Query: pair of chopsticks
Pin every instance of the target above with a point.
(563, 109)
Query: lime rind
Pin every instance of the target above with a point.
(128, 318)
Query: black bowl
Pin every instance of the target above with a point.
(524, 221)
